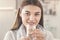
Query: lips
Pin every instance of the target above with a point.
(31, 23)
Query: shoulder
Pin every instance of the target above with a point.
(49, 35)
(9, 33)
(9, 36)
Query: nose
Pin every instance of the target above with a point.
(32, 18)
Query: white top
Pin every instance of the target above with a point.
(13, 35)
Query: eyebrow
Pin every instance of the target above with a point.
(35, 12)
(27, 11)
(38, 12)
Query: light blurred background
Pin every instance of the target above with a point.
(51, 16)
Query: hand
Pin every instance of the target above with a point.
(24, 38)
(37, 35)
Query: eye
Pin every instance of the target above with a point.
(27, 13)
(37, 14)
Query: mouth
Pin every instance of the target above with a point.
(31, 23)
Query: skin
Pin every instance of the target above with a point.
(31, 16)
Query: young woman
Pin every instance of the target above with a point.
(29, 23)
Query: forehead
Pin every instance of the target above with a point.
(31, 8)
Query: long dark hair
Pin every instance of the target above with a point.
(24, 3)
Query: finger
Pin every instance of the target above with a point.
(38, 30)
(35, 31)
(35, 38)
(37, 35)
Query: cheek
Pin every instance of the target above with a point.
(24, 19)
(38, 18)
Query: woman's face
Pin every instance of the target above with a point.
(30, 15)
